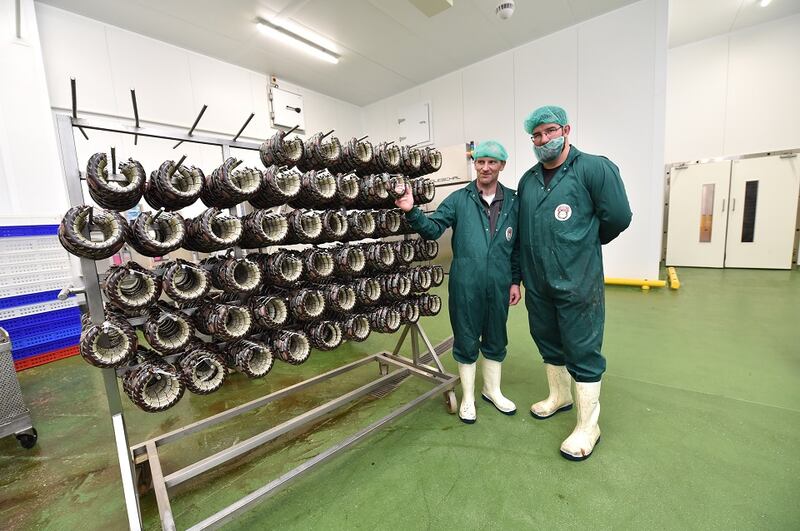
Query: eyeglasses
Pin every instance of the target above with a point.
(549, 132)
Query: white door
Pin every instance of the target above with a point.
(763, 212)
(698, 205)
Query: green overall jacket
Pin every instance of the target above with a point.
(561, 229)
(484, 267)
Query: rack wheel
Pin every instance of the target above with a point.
(28, 438)
(144, 479)
(450, 402)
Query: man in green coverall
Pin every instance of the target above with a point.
(571, 203)
(484, 275)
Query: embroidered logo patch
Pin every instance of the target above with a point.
(509, 234)
(563, 212)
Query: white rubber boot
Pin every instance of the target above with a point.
(467, 410)
(579, 445)
(491, 388)
(560, 398)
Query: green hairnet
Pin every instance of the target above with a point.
(491, 149)
(549, 114)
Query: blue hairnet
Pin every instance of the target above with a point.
(549, 114)
(491, 149)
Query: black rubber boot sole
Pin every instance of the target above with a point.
(571, 457)
(559, 410)
(509, 413)
(466, 421)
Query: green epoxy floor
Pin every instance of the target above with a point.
(700, 420)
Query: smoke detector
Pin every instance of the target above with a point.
(504, 9)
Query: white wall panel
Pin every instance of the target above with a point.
(259, 127)
(763, 108)
(447, 108)
(489, 106)
(609, 73)
(320, 116)
(618, 56)
(532, 89)
(395, 107)
(226, 90)
(159, 73)
(32, 185)
(735, 94)
(652, 244)
(615, 80)
(696, 93)
(348, 120)
(74, 46)
(374, 119)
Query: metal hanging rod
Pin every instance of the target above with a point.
(243, 126)
(196, 121)
(74, 91)
(135, 115)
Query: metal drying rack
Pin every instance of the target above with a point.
(140, 464)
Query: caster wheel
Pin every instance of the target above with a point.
(450, 402)
(144, 479)
(28, 440)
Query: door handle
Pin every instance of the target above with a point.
(733, 205)
(723, 204)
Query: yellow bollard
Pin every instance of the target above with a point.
(674, 283)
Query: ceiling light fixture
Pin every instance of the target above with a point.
(764, 3)
(293, 39)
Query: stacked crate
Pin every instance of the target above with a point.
(33, 269)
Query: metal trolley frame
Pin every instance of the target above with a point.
(15, 418)
(142, 460)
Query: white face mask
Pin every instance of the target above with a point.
(549, 151)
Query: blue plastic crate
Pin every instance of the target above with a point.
(20, 231)
(41, 319)
(30, 298)
(35, 350)
(22, 330)
(45, 336)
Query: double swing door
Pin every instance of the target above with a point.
(734, 213)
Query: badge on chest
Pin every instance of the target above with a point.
(563, 212)
(509, 234)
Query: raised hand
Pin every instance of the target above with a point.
(406, 202)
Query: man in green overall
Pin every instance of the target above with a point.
(571, 203)
(484, 275)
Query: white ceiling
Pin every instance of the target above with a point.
(693, 20)
(387, 46)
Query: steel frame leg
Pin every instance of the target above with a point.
(94, 300)
(417, 332)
